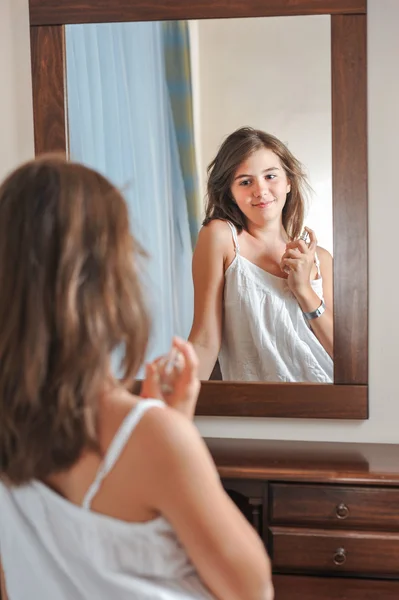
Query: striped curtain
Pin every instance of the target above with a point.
(176, 44)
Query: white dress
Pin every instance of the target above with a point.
(52, 549)
(265, 336)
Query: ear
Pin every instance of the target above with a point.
(288, 187)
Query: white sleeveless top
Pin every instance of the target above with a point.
(52, 549)
(265, 336)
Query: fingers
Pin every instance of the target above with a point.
(291, 253)
(313, 239)
(151, 386)
(182, 385)
(178, 369)
(290, 263)
(190, 366)
(299, 245)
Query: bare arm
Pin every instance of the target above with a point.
(323, 327)
(3, 593)
(208, 278)
(180, 481)
(299, 258)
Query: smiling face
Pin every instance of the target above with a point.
(260, 187)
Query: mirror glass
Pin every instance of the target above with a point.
(149, 105)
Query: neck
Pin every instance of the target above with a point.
(273, 231)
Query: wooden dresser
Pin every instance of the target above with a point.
(328, 513)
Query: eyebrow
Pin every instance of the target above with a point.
(265, 171)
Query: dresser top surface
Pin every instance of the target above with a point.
(332, 462)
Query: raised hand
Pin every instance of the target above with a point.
(174, 378)
(298, 261)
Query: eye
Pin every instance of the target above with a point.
(245, 182)
(271, 176)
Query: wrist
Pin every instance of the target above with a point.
(187, 410)
(307, 299)
(304, 294)
(311, 316)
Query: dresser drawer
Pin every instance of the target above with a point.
(330, 505)
(300, 587)
(298, 550)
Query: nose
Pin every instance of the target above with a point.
(261, 187)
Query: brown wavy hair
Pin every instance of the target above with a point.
(235, 149)
(70, 295)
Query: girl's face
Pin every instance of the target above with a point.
(260, 187)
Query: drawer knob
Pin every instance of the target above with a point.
(342, 511)
(340, 556)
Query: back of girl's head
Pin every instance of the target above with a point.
(237, 148)
(69, 296)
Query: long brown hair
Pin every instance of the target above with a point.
(235, 149)
(70, 295)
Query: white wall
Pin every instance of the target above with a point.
(16, 144)
(273, 74)
(16, 126)
(383, 134)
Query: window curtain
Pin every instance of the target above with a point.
(121, 123)
(176, 42)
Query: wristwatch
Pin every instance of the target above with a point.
(315, 314)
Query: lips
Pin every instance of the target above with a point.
(263, 204)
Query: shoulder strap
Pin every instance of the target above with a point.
(235, 237)
(116, 446)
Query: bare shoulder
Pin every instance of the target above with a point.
(325, 257)
(215, 232)
(214, 244)
(165, 434)
(323, 253)
(167, 447)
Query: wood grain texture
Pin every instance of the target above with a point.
(310, 462)
(350, 205)
(314, 551)
(341, 507)
(60, 12)
(48, 69)
(314, 555)
(291, 587)
(295, 400)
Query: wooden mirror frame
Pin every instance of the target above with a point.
(347, 397)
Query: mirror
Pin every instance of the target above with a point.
(149, 104)
(347, 396)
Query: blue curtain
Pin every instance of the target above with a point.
(121, 123)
